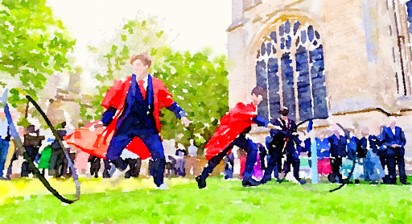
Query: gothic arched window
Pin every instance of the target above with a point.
(290, 66)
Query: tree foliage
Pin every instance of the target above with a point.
(197, 81)
(199, 84)
(33, 46)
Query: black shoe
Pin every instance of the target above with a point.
(374, 182)
(264, 180)
(345, 181)
(405, 183)
(357, 181)
(250, 183)
(201, 183)
(302, 181)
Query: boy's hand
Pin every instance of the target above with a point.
(271, 126)
(185, 121)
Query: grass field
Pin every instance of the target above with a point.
(136, 201)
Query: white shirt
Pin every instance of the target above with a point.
(145, 82)
(192, 150)
(3, 128)
(126, 154)
(368, 146)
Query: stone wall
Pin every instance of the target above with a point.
(366, 55)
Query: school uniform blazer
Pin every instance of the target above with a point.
(397, 138)
(338, 146)
(373, 144)
(289, 134)
(390, 138)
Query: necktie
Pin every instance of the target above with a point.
(142, 89)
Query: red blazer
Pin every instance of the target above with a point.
(230, 126)
(95, 141)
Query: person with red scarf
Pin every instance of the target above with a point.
(231, 132)
(132, 120)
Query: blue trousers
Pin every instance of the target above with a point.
(4, 148)
(248, 145)
(151, 139)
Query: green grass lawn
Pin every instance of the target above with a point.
(221, 202)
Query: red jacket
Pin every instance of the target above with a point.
(95, 141)
(230, 126)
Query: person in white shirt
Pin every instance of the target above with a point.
(192, 162)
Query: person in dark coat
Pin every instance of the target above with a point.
(94, 165)
(229, 160)
(32, 142)
(353, 159)
(180, 161)
(170, 166)
(58, 158)
(106, 168)
(372, 167)
(285, 141)
(394, 139)
(274, 144)
(338, 151)
(382, 150)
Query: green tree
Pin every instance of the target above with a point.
(138, 35)
(197, 81)
(34, 45)
(199, 84)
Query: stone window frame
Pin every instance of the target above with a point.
(276, 41)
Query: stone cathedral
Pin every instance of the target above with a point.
(340, 61)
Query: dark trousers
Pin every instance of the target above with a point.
(106, 168)
(382, 158)
(32, 153)
(150, 138)
(336, 163)
(94, 166)
(274, 164)
(400, 161)
(72, 157)
(229, 168)
(134, 167)
(56, 162)
(248, 145)
(295, 162)
(66, 171)
(390, 163)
